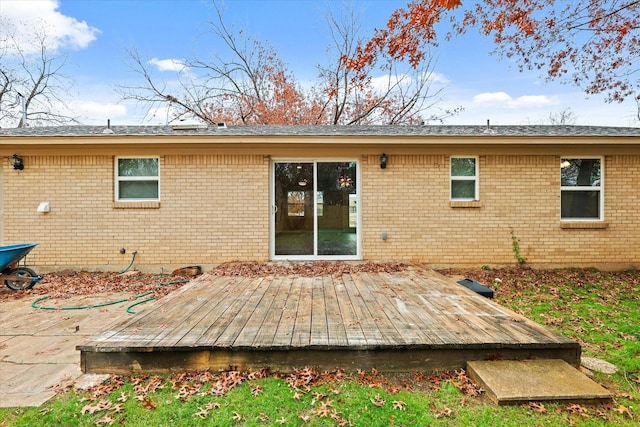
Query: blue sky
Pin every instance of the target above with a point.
(95, 33)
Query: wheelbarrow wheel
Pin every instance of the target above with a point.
(21, 285)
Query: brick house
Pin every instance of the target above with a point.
(441, 195)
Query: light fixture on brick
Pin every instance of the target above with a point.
(17, 162)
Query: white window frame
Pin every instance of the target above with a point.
(119, 178)
(599, 188)
(274, 209)
(475, 178)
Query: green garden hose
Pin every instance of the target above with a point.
(133, 258)
(84, 307)
(138, 303)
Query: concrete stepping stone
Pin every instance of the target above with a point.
(509, 382)
(598, 365)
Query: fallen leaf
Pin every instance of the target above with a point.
(102, 405)
(318, 396)
(324, 410)
(105, 420)
(398, 404)
(576, 409)
(393, 389)
(256, 390)
(623, 410)
(378, 401)
(202, 413)
(305, 418)
(148, 403)
(538, 407)
(444, 412)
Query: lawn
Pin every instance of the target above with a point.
(599, 309)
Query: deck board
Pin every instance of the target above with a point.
(319, 323)
(273, 316)
(284, 331)
(226, 329)
(216, 305)
(416, 317)
(335, 322)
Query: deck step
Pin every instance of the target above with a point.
(510, 382)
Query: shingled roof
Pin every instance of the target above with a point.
(323, 130)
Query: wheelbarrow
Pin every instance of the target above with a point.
(17, 277)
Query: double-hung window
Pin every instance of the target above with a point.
(464, 178)
(137, 179)
(581, 189)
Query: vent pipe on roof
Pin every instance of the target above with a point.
(488, 129)
(108, 130)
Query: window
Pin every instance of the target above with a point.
(464, 178)
(138, 179)
(581, 189)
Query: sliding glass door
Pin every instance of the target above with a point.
(315, 210)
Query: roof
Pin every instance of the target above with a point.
(324, 130)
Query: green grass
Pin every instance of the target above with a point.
(601, 310)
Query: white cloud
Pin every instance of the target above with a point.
(97, 112)
(26, 18)
(168, 64)
(439, 78)
(491, 98)
(504, 99)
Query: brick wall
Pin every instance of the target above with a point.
(215, 208)
(409, 200)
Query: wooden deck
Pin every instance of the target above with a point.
(408, 321)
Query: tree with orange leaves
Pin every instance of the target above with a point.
(594, 44)
(249, 84)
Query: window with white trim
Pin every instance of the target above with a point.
(581, 188)
(464, 178)
(137, 179)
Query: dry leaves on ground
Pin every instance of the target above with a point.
(68, 284)
(304, 269)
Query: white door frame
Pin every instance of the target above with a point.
(272, 210)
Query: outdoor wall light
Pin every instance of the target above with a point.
(383, 161)
(17, 162)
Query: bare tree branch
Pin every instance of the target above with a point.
(246, 82)
(31, 84)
